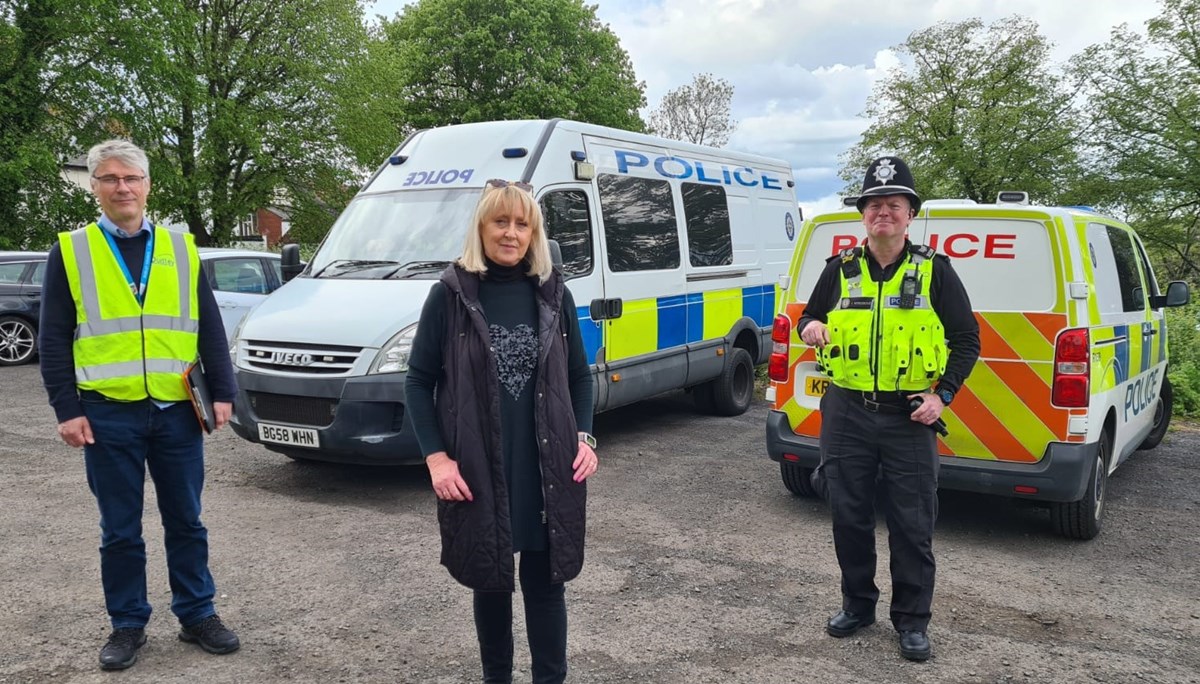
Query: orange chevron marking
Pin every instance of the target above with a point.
(1048, 324)
(988, 429)
(991, 344)
(1034, 393)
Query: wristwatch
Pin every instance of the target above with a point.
(587, 439)
(946, 396)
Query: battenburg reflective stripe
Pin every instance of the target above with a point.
(109, 371)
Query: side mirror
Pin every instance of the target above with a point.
(289, 262)
(1177, 295)
(555, 254)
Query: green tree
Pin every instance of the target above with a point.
(479, 60)
(52, 54)
(1144, 153)
(697, 113)
(974, 110)
(250, 103)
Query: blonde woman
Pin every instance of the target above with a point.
(506, 440)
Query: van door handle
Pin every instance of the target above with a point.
(605, 309)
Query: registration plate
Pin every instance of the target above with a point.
(291, 436)
(815, 385)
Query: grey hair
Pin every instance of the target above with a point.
(121, 150)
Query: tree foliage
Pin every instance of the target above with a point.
(478, 60)
(240, 105)
(698, 112)
(974, 110)
(1144, 156)
(52, 53)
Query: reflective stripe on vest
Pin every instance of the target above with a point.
(124, 349)
(874, 344)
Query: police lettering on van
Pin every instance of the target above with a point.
(680, 168)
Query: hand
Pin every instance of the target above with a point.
(586, 463)
(222, 410)
(76, 432)
(447, 482)
(930, 410)
(815, 334)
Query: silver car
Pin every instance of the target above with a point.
(240, 279)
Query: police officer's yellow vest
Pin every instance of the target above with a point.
(124, 349)
(875, 344)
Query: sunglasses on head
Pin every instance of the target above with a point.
(501, 183)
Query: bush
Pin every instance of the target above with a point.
(1183, 341)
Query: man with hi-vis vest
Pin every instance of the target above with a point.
(894, 331)
(125, 310)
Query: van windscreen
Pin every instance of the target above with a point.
(376, 234)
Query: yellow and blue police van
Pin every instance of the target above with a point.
(1072, 374)
(673, 253)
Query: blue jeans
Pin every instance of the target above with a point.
(129, 437)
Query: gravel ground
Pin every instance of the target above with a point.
(701, 568)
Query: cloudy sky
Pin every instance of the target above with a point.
(802, 70)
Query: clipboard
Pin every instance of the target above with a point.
(196, 386)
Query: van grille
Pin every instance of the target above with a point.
(283, 408)
(312, 359)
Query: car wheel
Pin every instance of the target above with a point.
(797, 480)
(1162, 417)
(734, 388)
(1082, 519)
(18, 341)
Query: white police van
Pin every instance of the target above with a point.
(673, 252)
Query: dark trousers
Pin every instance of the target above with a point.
(857, 447)
(129, 438)
(545, 623)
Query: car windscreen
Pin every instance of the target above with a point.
(413, 233)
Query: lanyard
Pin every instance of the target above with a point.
(138, 289)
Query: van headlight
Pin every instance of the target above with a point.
(236, 340)
(393, 356)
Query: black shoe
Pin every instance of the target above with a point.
(914, 646)
(121, 651)
(846, 623)
(212, 636)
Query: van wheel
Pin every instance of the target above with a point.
(1082, 519)
(734, 387)
(797, 480)
(18, 341)
(1162, 417)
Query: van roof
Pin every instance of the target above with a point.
(927, 206)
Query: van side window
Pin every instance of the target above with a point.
(639, 223)
(569, 222)
(1132, 293)
(707, 215)
(1147, 274)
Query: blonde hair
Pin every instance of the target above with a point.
(494, 201)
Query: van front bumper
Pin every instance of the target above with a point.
(357, 420)
(1061, 475)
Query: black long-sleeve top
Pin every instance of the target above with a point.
(56, 332)
(946, 293)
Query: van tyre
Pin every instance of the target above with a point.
(797, 480)
(1162, 417)
(1082, 519)
(18, 341)
(734, 387)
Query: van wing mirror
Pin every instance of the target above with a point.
(1177, 295)
(289, 262)
(555, 253)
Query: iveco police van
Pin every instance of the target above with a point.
(1072, 373)
(673, 253)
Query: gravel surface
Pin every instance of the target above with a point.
(701, 568)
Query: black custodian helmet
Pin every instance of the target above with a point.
(888, 176)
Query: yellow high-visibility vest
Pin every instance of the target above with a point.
(124, 349)
(875, 344)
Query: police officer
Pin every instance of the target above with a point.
(893, 327)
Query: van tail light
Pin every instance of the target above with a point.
(777, 364)
(1072, 369)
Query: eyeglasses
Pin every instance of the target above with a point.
(131, 182)
(501, 183)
